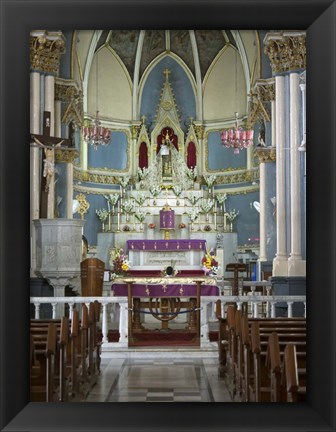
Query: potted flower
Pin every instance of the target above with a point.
(182, 225)
(209, 264)
(151, 225)
(102, 215)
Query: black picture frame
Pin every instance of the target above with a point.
(17, 19)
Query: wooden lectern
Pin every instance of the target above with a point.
(236, 267)
(92, 277)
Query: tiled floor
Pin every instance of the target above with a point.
(159, 380)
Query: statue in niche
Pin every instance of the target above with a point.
(165, 153)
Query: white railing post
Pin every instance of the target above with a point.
(273, 309)
(104, 323)
(239, 305)
(53, 305)
(123, 322)
(255, 309)
(71, 309)
(305, 309)
(37, 310)
(223, 303)
(290, 309)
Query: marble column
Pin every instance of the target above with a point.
(49, 106)
(273, 123)
(34, 163)
(296, 266)
(280, 262)
(263, 214)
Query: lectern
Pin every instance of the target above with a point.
(92, 277)
(236, 268)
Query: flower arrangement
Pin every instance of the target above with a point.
(209, 180)
(177, 190)
(192, 198)
(140, 216)
(209, 263)
(126, 228)
(155, 190)
(182, 225)
(207, 205)
(193, 215)
(102, 214)
(120, 263)
(221, 197)
(123, 180)
(207, 228)
(142, 173)
(151, 225)
(139, 197)
(128, 206)
(232, 214)
(192, 173)
(111, 200)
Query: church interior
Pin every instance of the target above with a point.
(168, 216)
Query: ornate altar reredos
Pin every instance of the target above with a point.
(167, 153)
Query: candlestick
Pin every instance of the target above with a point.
(118, 227)
(215, 220)
(109, 221)
(224, 222)
(133, 221)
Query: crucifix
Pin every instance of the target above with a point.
(48, 143)
(167, 72)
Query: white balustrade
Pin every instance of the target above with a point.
(206, 302)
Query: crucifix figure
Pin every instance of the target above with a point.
(48, 143)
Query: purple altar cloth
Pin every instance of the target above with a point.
(170, 290)
(162, 245)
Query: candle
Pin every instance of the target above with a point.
(118, 228)
(215, 205)
(224, 222)
(215, 220)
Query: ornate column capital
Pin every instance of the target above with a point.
(135, 129)
(66, 155)
(286, 50)
(262, 93)
(265, 154)
(199, 130)
(67, 91)
(46, 49)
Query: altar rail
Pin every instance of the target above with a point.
(207, 310)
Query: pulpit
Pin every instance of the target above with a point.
(92, 277)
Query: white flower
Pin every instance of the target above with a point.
(177, 190)
(207, 205)
(127, 206)
(192, 198)
(140, 216)
(102, 214)
(193, 215)
(155, 190)
(221, 197)
(191, 173)
(143, 173)
(112, 198)
(123, 180)
(232, 214)
(209, 180)
(139, 197)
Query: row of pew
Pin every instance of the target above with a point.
(65, 356)
(262, 359)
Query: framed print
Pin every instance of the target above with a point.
(318, 19)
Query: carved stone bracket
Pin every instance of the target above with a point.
(261, 95)
(286, 51)
(66, 155)
(67, 91)
(267, 154)
(46, 49)
(135, 129)
(199, 130)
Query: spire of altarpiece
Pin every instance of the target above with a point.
(167, 105)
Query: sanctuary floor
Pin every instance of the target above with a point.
(159, 380)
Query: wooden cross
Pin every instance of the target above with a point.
(48, 143)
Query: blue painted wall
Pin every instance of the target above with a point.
(266, 71)
(183, 92)
(113, 156)
(64, 70)
(220, 158)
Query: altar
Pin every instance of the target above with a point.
(155, 254)
(165, 298)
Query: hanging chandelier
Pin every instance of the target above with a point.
(95, 134)
(237, 138)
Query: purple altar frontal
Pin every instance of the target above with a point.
(164, 245)
(169, 290)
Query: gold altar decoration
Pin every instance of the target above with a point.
(83, 205)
